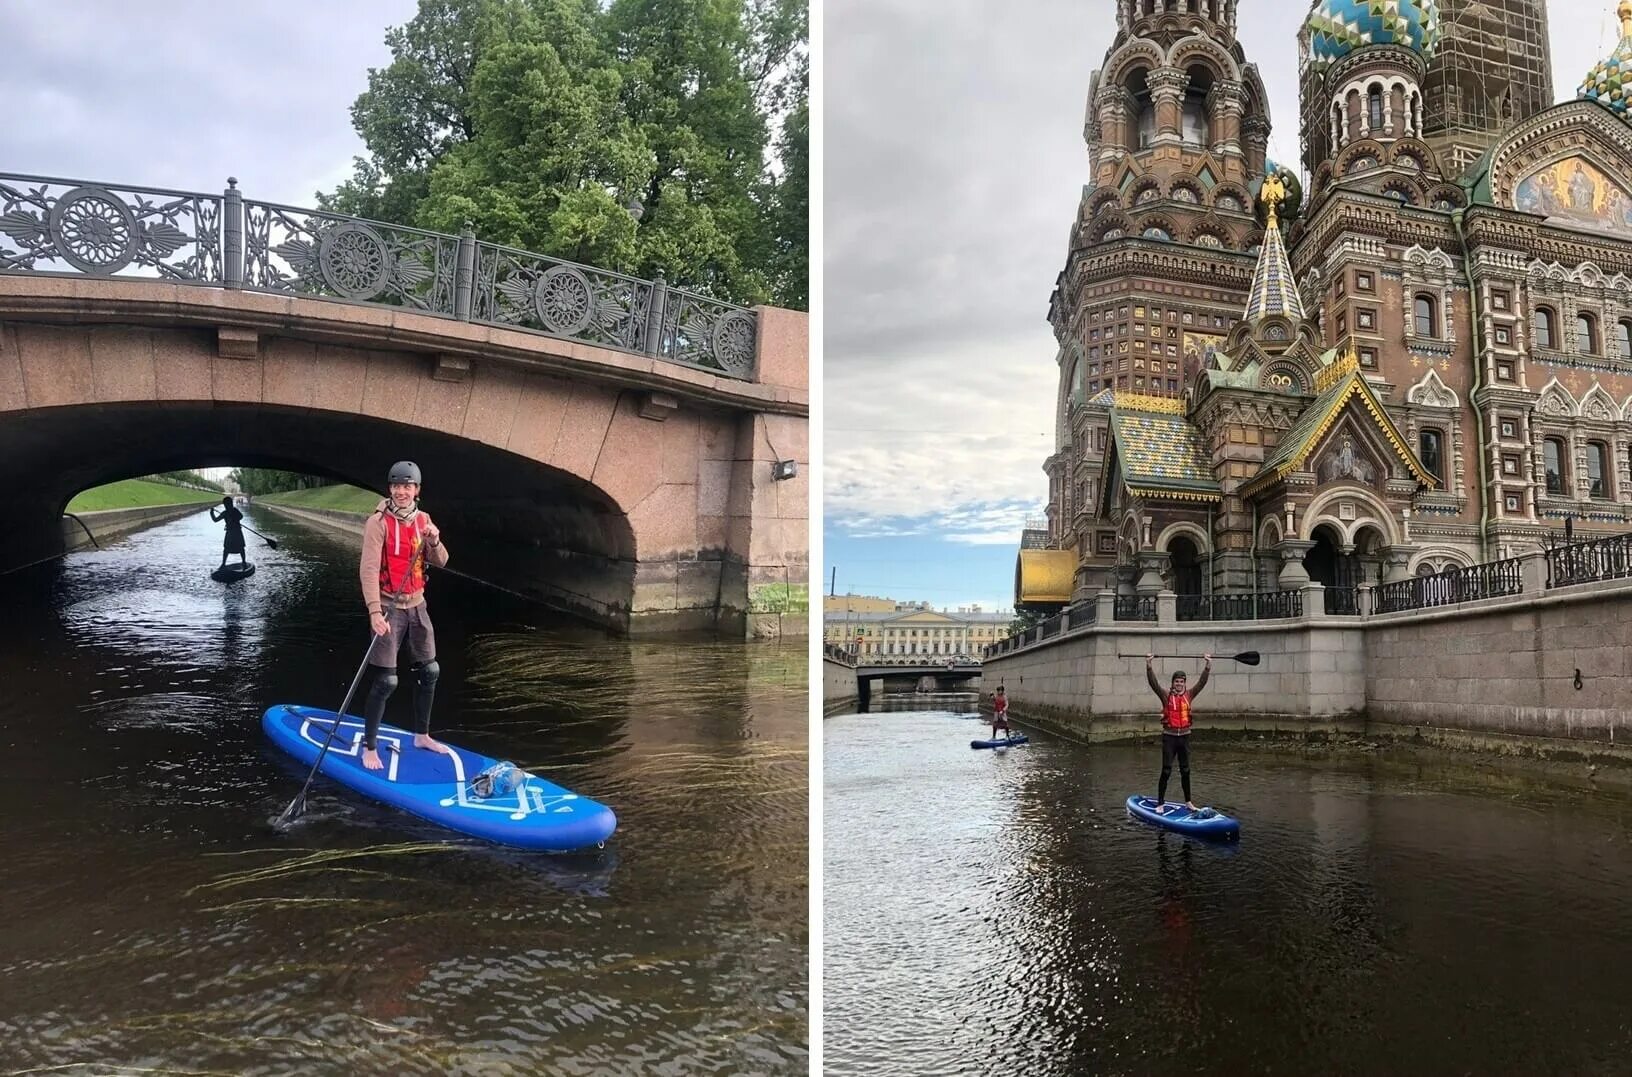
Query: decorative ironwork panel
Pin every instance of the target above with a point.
(1342, 601)
(707, 333)
(310, 253)
(65, 226)
(531, 291)
(1264, 605)
(1586, 562)
(1274, 604)
(1453, 585)
(1135, 607)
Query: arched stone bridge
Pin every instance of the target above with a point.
(601, 442)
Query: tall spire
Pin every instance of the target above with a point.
(1273, 290)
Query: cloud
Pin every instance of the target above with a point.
(1005, 537)
(186, 96)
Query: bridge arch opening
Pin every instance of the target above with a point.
(509, 520)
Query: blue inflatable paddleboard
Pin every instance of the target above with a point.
(537, 815)
(1205, 822)
(1002, 742)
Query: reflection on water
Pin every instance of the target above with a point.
(1000, 913)
(154, 920)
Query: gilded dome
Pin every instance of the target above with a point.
(1610, 81)
(1338, 27)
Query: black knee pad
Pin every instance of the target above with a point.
(385, 682)
(426, 673)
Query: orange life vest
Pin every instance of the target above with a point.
(402, 561)
(1176, 713)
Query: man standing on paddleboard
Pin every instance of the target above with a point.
(1176, 725)
(398, 539)
(234, 540)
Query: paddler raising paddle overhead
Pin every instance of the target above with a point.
(1000, 713)
(398, 540)
(1176, 702)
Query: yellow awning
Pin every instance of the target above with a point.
(1044, 576)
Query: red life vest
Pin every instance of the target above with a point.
(1176, 713)
(404, 547)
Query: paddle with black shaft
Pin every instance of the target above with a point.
(298, 805)
(1246, 658)
(270, 542)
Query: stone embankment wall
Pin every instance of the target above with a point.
(1499, 673)
(839, 689)
(112, 523)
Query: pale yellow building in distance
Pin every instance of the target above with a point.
(858, 604)
(910, 633)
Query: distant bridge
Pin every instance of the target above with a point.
(607, 444)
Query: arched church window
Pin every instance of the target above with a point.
(1430, 445)
(1586, 334)
(1552, 457)
(1374, 108)
(1544, 327)
(1623, 338)
(1426, 324)
(1597, 469)
(1194, 125)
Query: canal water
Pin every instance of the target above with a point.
(155, 921)
(1382, 913)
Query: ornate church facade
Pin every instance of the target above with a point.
(1421, 363)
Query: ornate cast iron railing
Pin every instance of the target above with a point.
(1585, 562)
(1135, 607)
(1342, 601)
(1272, 604)
(57, 226)
(1451, 586)
(103, 230)
(1239, 607)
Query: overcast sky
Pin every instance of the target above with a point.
(185, 93)
(954, 162)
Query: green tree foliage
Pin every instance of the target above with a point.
(265, 480)
(540, 122)
(186, 478)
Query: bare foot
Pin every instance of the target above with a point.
(1191, 806)
(371, 759)
(423, 741)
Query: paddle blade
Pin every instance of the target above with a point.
(292, 812)
(1247, 658)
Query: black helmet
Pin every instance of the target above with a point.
(405, 471)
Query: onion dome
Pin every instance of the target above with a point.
(1610, 81)
(1338, 27)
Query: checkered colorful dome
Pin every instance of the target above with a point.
(1610, 81)
(1338, 27)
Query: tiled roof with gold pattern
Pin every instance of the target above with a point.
(1274, 291)
(1335, 385)
(1159, 452)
